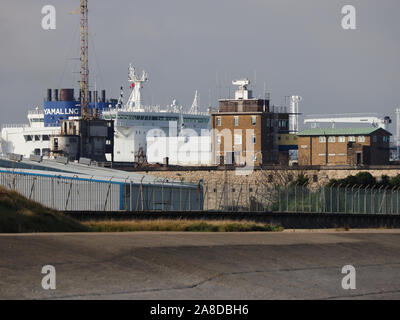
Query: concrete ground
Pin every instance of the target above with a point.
(160, 265)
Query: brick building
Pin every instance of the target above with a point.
(354, 146)
(246, 130)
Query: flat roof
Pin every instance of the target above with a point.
(340, 131)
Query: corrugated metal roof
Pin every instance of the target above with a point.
(91, 171)
(339, 131)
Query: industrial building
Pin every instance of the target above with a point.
(341, 146)
(83, 186)
(246, 130)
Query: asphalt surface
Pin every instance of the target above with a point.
(288, 265)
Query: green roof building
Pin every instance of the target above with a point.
(344, 146)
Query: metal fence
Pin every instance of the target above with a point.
(295, 198)
(87, 194)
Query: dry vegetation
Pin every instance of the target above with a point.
(180, 225)
(18, 214)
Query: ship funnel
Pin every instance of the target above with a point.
(66, 94)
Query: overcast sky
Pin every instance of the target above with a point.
(295, 46)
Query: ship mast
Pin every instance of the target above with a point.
(84, 58)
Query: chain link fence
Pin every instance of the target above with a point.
(88, 194)
(295, 198)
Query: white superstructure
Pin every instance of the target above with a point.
(134, 120)
(28, 139)
(373, 120)
(294, 114)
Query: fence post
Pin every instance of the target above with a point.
(338, 198)
(372, 200)
(162, 195)
(365, 199)
(380, 206)
(352, 198)
(397, 200)
(130, 196)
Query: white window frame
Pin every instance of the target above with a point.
(253, 120)
(322, 139)
(219, 121)
(341, 139)
(332, 139)
(352, 139)
(236, 121)
(361, 138)
(237, 139)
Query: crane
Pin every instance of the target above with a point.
(375, 121)
(84, 59)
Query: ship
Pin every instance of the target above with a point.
(132, 122)
(51, 123)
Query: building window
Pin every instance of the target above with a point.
(218, 121)
(253, 120)
(352, 139)
(342, 139)
(236, 119)
(254, 157)
(237, 139)
(361, 139)
(315, 178)
(219, 139)
(374, 139)
(322, 139)
(253, 138)
(270, 178)
(385, 139)
(332, 139)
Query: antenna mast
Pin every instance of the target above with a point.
(84, 58)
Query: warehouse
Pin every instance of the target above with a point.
(89, 188)
(352, 146)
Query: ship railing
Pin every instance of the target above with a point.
(12, 125)
(39, 112)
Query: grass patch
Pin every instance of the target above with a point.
(180, 225)
(19, 215)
